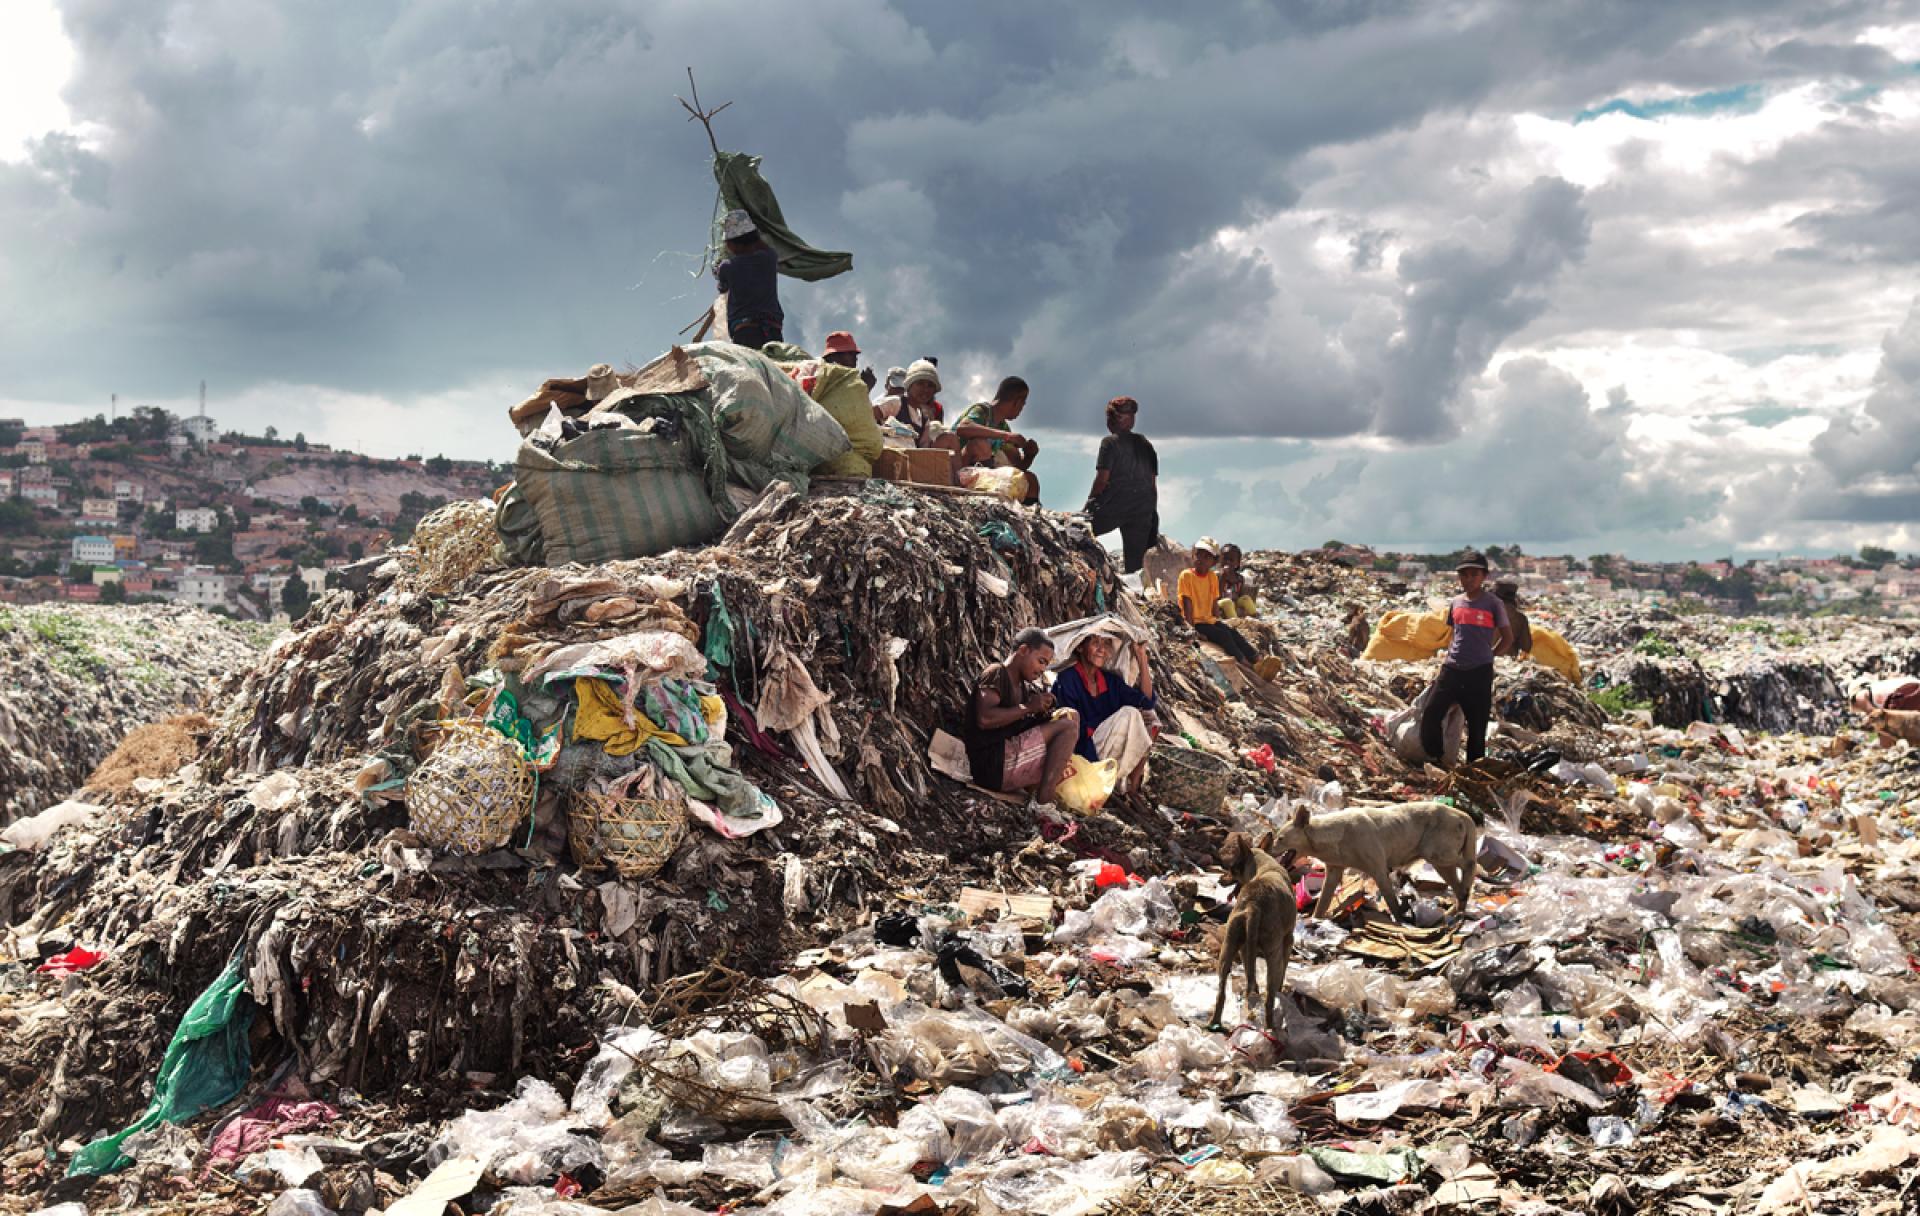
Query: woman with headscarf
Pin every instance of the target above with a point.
(1126, 493)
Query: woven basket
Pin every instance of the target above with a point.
(472, 792)
(454, 543)
(1187, 779)
(634, 836)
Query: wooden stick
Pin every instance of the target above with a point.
(705, 117)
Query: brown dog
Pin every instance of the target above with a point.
(1892, 724)
(1261, 924)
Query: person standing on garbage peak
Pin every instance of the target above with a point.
(1126, 485)
(1509, 593)
(1199, 591)
(987, 437)
(1015, 742)
(750, 279)
(1481, 632)
(1114, 721)
(1236, 599)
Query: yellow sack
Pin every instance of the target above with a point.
(1086, 787)
(1008, 483)
(1409, 636)
(1552, 650)
(842, 393)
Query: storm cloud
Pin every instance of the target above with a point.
(1392, 230)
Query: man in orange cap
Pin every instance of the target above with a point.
(842, 349)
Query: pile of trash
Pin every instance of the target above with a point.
(75, 679)
(637, 886)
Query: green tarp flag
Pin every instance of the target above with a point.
(743, 189)
(206, 1064)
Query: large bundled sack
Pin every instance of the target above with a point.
(1403, 730)
(1552, 650)
(1409, 636)
(842, 393)
(771, 429)
(617, 493)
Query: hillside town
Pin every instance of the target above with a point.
(147, 506)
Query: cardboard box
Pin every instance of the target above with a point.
(923, 466)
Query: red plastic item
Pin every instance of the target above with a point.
(1262, 757)
(1111, 875)
(77, 959)
(565, 1187)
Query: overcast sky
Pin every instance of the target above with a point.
(1586, 275)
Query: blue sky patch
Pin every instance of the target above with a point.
(1743, 98)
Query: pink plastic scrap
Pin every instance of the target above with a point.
(253, 1130)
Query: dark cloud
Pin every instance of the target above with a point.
(400, 201)
(1883, 438)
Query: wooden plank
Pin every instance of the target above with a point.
(978, 901)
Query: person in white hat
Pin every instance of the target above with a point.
(750, 279)
(887, 404)
(1199, 592)
(920, 408)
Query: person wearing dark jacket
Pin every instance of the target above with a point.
(750, 279)
(1126, 485)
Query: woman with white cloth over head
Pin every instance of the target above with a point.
(1114, 722)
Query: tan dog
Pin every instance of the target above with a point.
(1379, 842)
(1261, 924)
(1892, 724)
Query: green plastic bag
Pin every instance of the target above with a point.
(206, 1064)
(742, 188)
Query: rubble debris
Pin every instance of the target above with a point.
(1684, 971)
(75, 679)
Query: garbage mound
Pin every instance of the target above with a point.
(844, 982)
(75, 679)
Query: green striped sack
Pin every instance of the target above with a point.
(614, 493)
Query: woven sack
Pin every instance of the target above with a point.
(769, 425)
(472, 792)
(633, 835)
(613, 494)
(1186, 778)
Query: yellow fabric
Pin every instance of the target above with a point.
(602, 717)
(1203, 590)
(1554, 651)
(1409, 636)
(714, 710)
(840, 391)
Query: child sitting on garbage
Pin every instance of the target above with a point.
(1015, 741)
(1199, 592)
(988, 441)
(1114, 721)
(1236, 597)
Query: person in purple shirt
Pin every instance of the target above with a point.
(1113, 713)
(1481, 631)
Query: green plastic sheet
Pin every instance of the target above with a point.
(742, 188)
(206, 1064)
